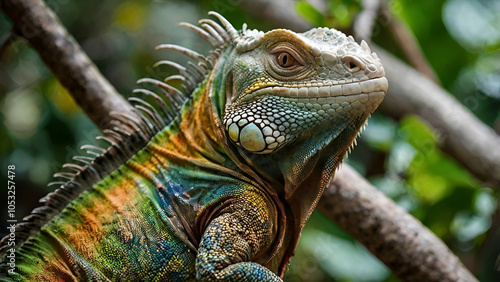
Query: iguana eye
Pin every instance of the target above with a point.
(285, 60)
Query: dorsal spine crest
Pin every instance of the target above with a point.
(128, 135)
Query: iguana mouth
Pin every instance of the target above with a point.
(274, 115)
(308, 90)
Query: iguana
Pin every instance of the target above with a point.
(213, 184)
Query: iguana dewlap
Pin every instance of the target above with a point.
(216, 181)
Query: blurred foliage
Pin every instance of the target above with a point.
(42, 127)
(339, 13)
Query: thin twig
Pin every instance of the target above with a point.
(363, 25)
(405, 38)
(7, 41)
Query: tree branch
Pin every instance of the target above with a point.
(406, 246)
(60, 52)
(461, 134)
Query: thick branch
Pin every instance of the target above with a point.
(60, 52)
(461, 134)
(406, 246)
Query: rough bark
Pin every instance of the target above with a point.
(399, 240)
(62, 54)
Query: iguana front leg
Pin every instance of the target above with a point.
(234, 239)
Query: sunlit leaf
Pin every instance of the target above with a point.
(417, 133)
(430, 187)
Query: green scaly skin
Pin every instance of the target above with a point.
(225, 189)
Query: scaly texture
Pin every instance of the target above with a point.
(215, 182)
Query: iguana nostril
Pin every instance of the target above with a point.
(352, 64)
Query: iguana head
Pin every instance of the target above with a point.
(285, 86)
(291, 103)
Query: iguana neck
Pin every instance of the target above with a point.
(201, 138)
(198, 139)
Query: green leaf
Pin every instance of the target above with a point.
(432, 174)
(417, 133)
